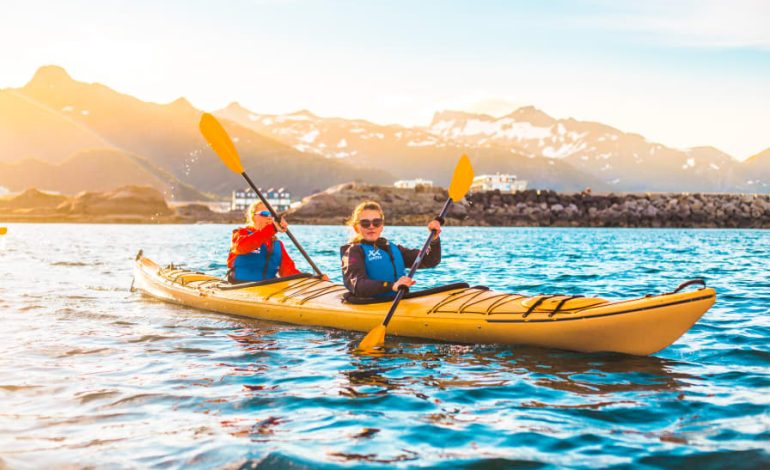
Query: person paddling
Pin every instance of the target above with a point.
(374, 267)
(256, 254)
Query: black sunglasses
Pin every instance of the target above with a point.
(366, 223)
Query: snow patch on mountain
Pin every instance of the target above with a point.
(563, 151)
(423, 143)
(310, 136)
(503, 128)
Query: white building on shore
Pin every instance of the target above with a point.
(504, 182)
(279, 198)
(411, 184)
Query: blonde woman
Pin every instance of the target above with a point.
(255, 253)
(374, 267)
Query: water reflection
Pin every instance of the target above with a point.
(443, 367)
(406, 456)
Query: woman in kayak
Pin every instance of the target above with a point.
(256, 254)
(374, 267)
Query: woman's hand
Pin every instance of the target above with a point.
(283, 226)
(435, 225)
(405, 281)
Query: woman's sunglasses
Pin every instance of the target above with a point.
(263, 213)
(366, 223)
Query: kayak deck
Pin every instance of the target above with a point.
(459, 313)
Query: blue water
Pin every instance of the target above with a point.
(94, 375)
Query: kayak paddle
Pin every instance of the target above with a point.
(220, 141)
(461, 183)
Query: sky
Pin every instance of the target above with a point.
(683, 73)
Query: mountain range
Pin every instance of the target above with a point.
(64, 135)
(60, 134)
(561, 154)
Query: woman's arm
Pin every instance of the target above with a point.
(245, 242)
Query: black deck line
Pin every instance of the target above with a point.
(606, 314)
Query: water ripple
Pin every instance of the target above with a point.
(114, 379)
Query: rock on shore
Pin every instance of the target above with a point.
(127, 200)
(129, 204)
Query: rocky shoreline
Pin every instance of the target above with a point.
(124, 205)
(544, 208)
(548, 208)
(539, 208)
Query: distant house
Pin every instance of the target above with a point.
(411, 184)
(504, 182)
(279, 198)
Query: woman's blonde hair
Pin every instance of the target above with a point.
(253, 210)
(354, 217)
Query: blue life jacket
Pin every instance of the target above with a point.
(258, 265)
(383, 264)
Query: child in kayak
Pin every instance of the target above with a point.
(374, 267)
(255, 253)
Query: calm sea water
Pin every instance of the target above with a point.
(94, 375)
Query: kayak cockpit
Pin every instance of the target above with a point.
(348, 298)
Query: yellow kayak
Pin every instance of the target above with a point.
(455, 313)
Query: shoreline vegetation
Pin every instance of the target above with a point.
(530, 208)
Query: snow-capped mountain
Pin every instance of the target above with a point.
(61, 134)
(558, 153)
(620, 160)
(754, 173)
(330, 137)
(405, 152)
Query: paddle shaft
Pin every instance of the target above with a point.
(402, 290)
(277, 219)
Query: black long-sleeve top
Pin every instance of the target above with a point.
(354, 267)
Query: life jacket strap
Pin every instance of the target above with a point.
(267, 260)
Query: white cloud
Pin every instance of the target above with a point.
(694, 23)
(480, 102)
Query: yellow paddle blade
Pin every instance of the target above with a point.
(217, 137)
(374, 339)
(461, 179)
